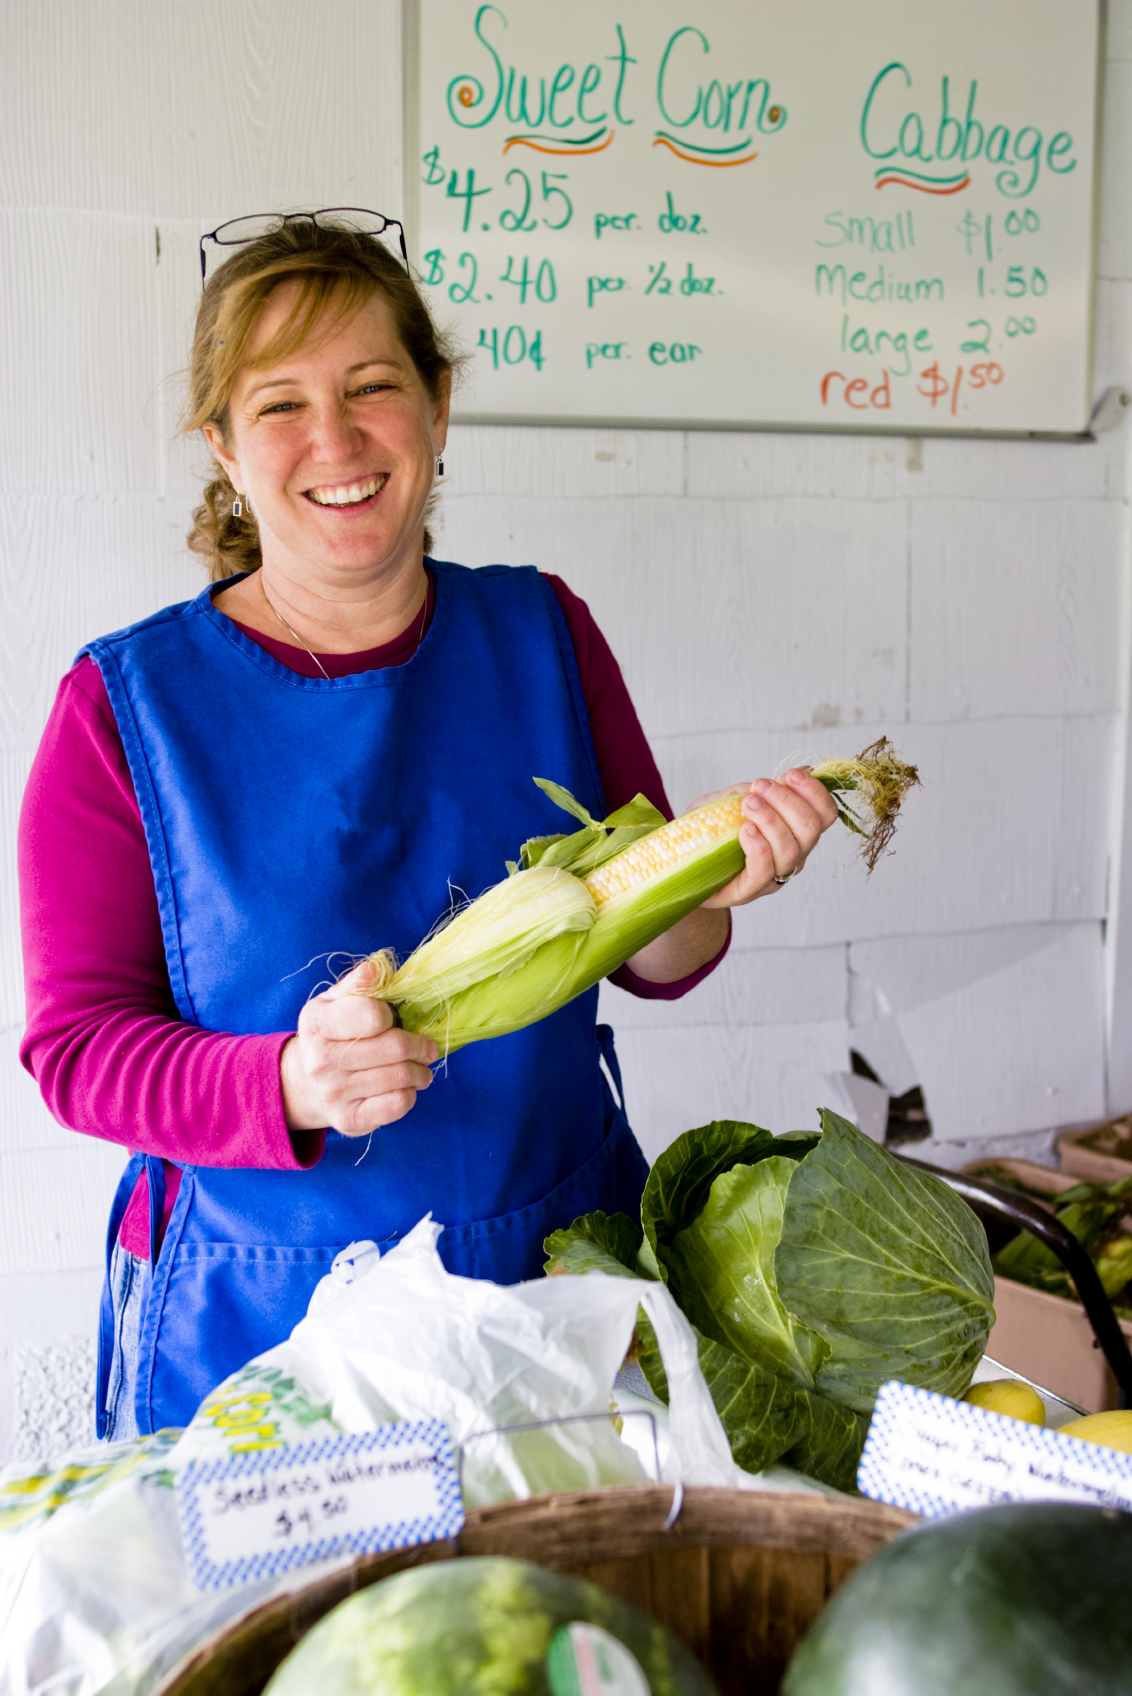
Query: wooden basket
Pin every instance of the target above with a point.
(740, 1576)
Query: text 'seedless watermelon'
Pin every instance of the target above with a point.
(488, 1627)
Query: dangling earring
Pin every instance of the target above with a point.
(237, 507)
(440, 465)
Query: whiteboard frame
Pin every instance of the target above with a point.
(410, 68)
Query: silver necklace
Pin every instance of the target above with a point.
(313, 655)
(294, 633)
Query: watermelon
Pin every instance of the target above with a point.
(488, 1626)
(1033, 1599)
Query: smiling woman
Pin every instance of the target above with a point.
(262, 351)
(333, 448)
(242, 793)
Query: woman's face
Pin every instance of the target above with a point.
(334, 447)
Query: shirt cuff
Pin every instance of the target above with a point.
(626, 978)
(291, 1149)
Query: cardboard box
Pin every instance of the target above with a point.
(1049, 1339)
(1101, 1155)
(1041, 1178)
(1043, 1336)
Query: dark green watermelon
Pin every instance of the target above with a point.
(1034, 1599)
(488, 1627)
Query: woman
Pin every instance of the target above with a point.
(297, 767)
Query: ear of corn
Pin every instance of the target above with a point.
(634, 896)
(596, 842)
(579, 906)
(493, 937)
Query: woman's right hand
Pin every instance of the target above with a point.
(348, 1066)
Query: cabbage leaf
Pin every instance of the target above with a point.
(812, 1268)
(765, 1416)
(888, 1265)
(721, 1270)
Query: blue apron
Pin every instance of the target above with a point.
(295, 824)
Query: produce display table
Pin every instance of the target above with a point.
(739, 1577)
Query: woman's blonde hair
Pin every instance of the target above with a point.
(335, 268)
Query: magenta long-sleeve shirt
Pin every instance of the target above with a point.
(104, 1039)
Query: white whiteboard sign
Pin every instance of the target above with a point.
(798, 213)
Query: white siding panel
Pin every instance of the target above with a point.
(54, 1204)
(205, 110)
(13, 776)
(25, 1122)
(788, 613)
(755, 465)
(54, 1395)
(911, 971)
(771, 1075)
(504, 459)
(752, 986)
(72, 569)
(1112, 363)
(1018, 1050)
(880, 1043)
(177, 286)
(978, 846)
(77, 423)
(736, 465)
(1083, 798)
(960, 470)
(1033, 634)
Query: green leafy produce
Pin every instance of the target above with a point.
(812, 1268)
(488, 1627)
(1025, 1600)
(1094, 1213)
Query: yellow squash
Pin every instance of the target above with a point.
(1111, 1430)
(1009, 1396)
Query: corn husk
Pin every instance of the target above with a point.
(493, 937)
(524, 949)
(572, 963)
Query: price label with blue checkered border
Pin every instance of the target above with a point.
(938, 1456)
(255, 1515)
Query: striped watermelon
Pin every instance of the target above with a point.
(488, 1627)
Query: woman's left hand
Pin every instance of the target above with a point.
(784, 818)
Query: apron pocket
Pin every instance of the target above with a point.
(213, 1307)
(508, 1249)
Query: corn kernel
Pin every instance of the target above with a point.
(664, 848)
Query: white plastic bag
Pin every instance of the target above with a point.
(95, 1595)
(94, 1591)
(401, 1338)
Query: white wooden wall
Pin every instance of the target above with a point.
(768, 597)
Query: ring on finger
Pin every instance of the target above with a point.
(781, 880)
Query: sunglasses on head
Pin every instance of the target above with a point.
(360, 222)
